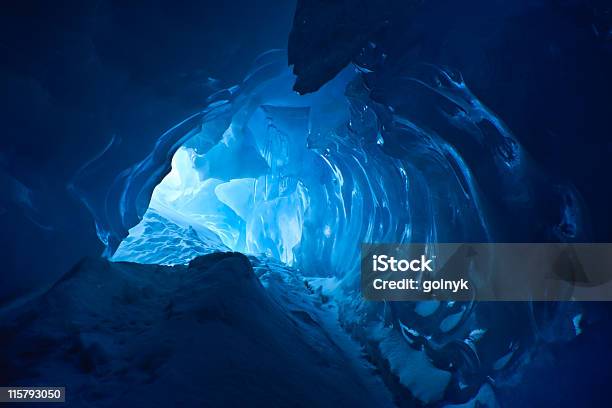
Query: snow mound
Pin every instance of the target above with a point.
(204, 334)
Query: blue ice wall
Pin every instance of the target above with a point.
(397, 150)
(390, 149)
(306, 179)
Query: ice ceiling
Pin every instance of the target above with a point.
(306, 179)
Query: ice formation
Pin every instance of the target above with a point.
(414, 157)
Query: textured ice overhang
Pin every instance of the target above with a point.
(327, 35)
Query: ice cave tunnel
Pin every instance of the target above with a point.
(302, 180)
(305, 179)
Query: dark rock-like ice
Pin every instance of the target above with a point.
(208, 333)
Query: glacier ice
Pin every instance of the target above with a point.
(305, 179)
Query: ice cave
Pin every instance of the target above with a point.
(221, 258)
(297, 182)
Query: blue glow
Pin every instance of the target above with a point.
(306, 179)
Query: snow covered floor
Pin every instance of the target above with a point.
(216, 332)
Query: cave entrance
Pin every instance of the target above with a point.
(261, 180)
(247, 193)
